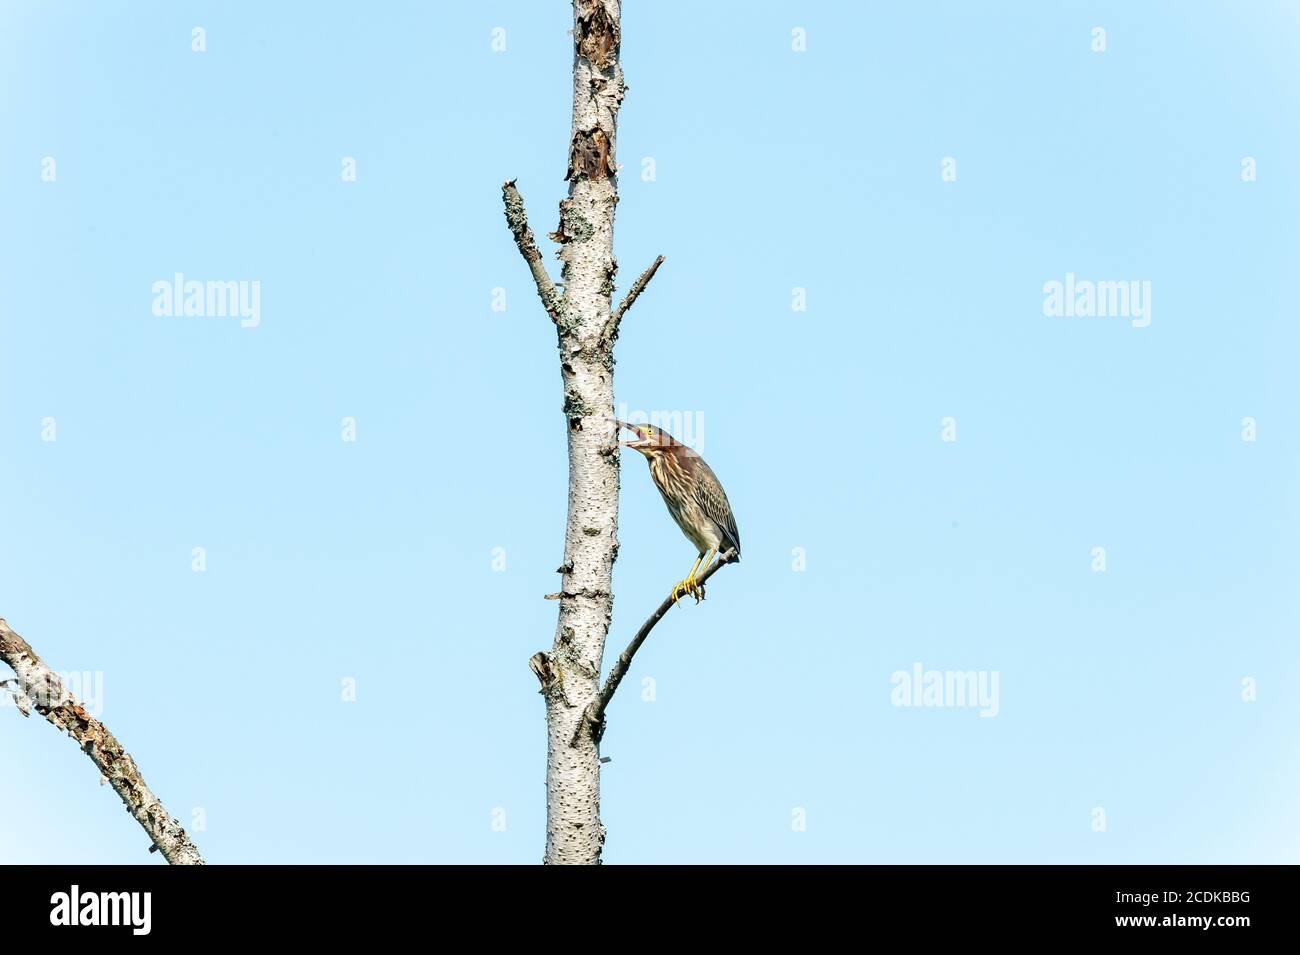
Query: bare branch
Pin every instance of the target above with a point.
(637, 288)
(517, 220)
(594, 717)
(40, 688)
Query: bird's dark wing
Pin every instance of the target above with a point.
(712, 500)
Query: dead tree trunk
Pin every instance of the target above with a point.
(586, 327)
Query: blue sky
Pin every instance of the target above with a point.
(771, 735)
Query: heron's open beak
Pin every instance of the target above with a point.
(635, 429)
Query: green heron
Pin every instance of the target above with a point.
(694, 496)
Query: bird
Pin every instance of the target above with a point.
(694, 496)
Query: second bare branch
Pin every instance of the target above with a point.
(637, 288)
(594, 718)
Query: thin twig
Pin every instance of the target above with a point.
(595, 714)
(41, 689)
(637, 288)
(517, 220)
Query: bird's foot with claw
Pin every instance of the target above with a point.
(689, 586)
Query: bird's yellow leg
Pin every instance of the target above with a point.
(687, 585)
(708, 560)
(692, 583)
